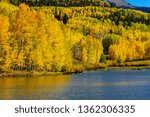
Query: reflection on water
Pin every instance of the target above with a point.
(131, 83)
(108, 85)
(34, 87)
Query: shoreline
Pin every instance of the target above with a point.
(32, 74)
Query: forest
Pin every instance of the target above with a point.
(64, 3)
(67, 38)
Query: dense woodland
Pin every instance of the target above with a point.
(64, 3)
(68, 39)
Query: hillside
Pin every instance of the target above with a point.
(71, 39)
(74, 3)
(60, 2)
(144, 9)
(124, 4)
(119, 3)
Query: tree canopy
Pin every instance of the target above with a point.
(70, 38)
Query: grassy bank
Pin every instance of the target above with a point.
(134, 65)
(142, 64)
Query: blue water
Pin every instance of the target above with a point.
(111, 85)
(90, 85)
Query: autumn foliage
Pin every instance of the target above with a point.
(69, 39)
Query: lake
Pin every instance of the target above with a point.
(89, 85)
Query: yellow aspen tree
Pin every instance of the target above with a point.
(5, 49)
(84, 55)
(24, 28)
